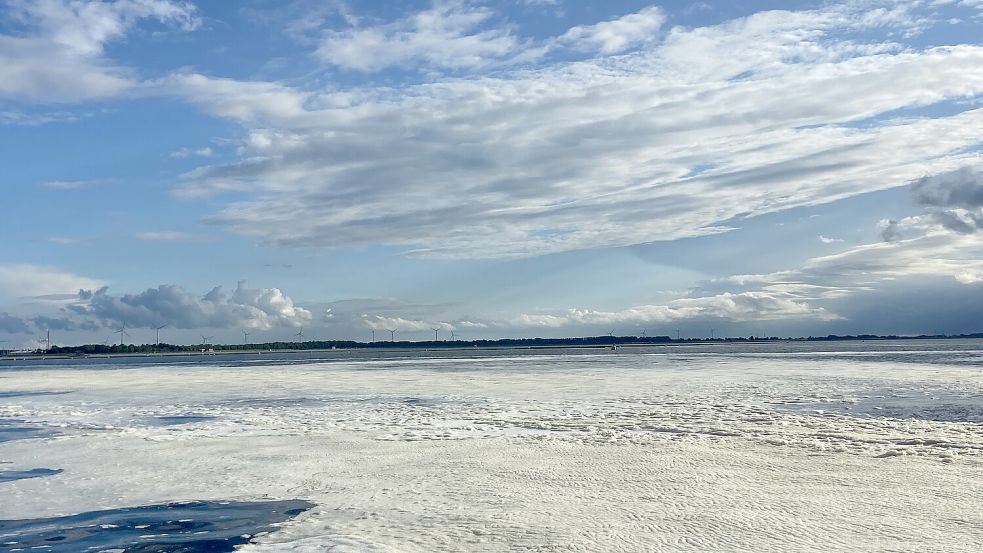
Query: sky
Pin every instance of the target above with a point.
(517, 168)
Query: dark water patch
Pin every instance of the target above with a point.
(277, 402)
(15, 429)
(18, 393)
(11, 475)
(192, 527)
(417, 402)
(936, 407)
(173, 420)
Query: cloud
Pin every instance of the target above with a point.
(69, 184)
(56, 53)
(379, 322)
(63, 240)
(164, 236)
(259, 308)
(449, 35)
(249, 102)
(954, 200)
(828, 240)
(42, 323)
(616, 35)
(683, 138)
(12, 325)
(36, 118)
(732, 307)
(189, 152)
(27, 280)
(737, 307)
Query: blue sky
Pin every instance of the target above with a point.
(513, 168)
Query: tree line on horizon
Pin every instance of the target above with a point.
(606, 340)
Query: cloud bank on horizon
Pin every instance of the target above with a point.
(458, 133)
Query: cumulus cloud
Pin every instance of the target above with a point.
(254, 308)
(679, 139)
(953, 200)
(57, 51)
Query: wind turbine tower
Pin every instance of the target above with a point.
(122, 332)
(392, 334)
(435, 331)
(158, 328)
(245, 337)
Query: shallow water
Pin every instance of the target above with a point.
(11, 475)
(193, 527)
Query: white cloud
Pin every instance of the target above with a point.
(164, 236)
(69, 184)
(254, 308)
(737, 307)
(250, 102)
(828, 240)
(189, 152)
(616, 35)
(449, 35)
(786, 109)
(381, 322)
(57, 55)
(28, 280)
(63, 240)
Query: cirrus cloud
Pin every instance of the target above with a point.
(682, 138)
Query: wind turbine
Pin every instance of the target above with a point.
(453, 335)
(2, 351)
(158, 328)
(712, 330)
(677, 334)
(205, 339)
(373, 335)
(122, 332)
(435, 331)
(300, 335)
(392, 334)
(245, 337)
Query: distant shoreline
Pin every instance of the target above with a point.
(602, 342)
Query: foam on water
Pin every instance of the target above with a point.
(644, 450)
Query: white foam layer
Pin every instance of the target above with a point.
(610, 452)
